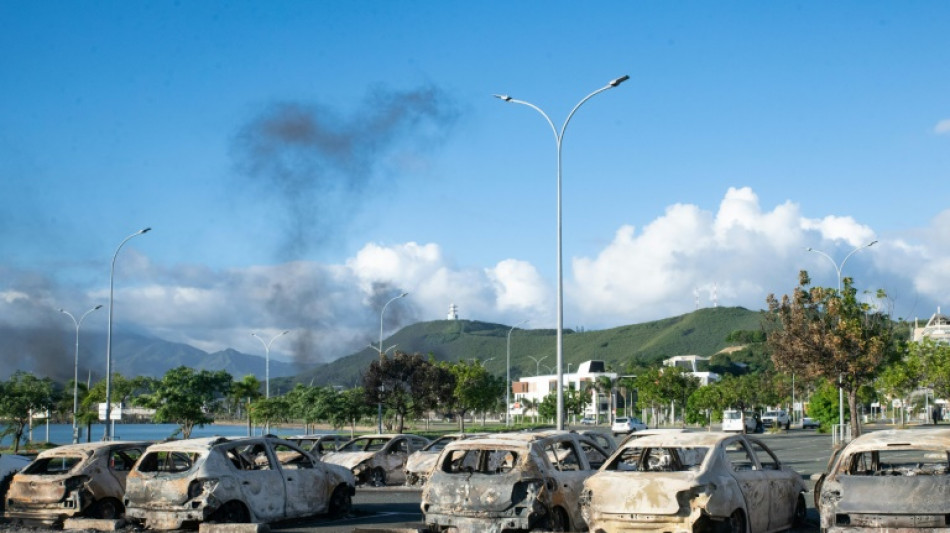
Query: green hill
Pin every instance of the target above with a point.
(702, 332)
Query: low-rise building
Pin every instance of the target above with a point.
(536, 388)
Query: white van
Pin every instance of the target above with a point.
(732, 421)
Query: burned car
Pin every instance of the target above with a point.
(9, 465)
(888, 480)
(71, 481)
(318, 444)
(511, 481)
(377, 460)
(699, 482)
(262, 479)
(420, 463)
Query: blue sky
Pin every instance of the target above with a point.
(302, 162)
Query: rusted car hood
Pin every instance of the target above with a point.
(893, 494)
(643, 492)
(347, 459)
(421, 461)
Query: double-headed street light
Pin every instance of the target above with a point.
(838, 268)
(107, 436)
(537, 363)
(267, 358)
(559, 138)
(77, 323)
(508, 375)
(382, 353)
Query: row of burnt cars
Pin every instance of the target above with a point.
(669, 481)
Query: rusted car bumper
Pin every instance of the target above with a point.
(170, 518)
(47, 513)
(488, 524)
(610, 522)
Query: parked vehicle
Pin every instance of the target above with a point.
(258, 479)
(319, 444)
(887, 481)
(777, 418)
(588, 421)
(733, 420)
(75, 480)
(511, 481)
(9, 465)
(703, 481)
(627, 425)
(377, 460)
(421, 462)
(809, 423)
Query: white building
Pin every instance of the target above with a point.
(689, 362)
(937, 328)
(536, 388)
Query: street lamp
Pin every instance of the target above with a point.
(838, 268)
(508, 375)
(267, 359)
(559, 137)
(76, 368)
(537, 363)
(107, 436)
(382, 354)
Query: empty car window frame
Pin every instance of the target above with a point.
(291, 457)
(53, 466)
(481, 461)
(123, 460)
(898, 462)
(167, 461)
(563, 456)
(659, 459)
(739, 456)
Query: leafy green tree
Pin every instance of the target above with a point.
(20, 396)
(823, 405)
(818, 332)
(311, 404)
(405, 384)
(185, 397)
(547, 408)
(706, 403)
(349, 406)
(475, 389)
(273, 410)
(244, 393)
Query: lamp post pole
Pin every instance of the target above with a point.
(537, 364)
(77, 323)
(107, 436)
(508, 375)
(382, 354)
(838, 269)
(559, 137)
(267, 358)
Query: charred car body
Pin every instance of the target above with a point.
(262, 479)
(319, 444)
(511, 481)
(421, 462)
(694, 483)
(377, 459)
(75, 480)
(888, 480)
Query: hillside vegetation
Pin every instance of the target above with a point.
(702, 332)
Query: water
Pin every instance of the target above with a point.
(63, 433)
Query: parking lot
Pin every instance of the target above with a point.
(397, 508)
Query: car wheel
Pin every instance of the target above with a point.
(736, 522)
(232, 512)
(106, 509)
(801, 511)
(560, 520)
(341, 503)
(377, 477)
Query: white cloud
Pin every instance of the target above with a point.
(942, 127)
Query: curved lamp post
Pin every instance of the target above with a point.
(382, 353)
(838, 268)
(559, 138)
(107, 436)
(537, 363)
(508, 375)
(77, 323)
(267, 358)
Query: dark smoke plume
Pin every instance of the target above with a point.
(320, 165)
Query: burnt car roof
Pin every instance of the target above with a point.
(929, 437)
(90, 447)
(705, 438)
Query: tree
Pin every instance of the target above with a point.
(267, 411)
(20, 396)
(405, 384)
(348, 407)
(661, 387)
(819, 332)
(186, 397)
(245, 392)
(475, 389)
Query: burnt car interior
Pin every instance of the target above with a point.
(53, 466)
(365, 445)
(672, 459)
(480, 461)
(897, 462)
(123, 460)
(563, 456)
(168, 462)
